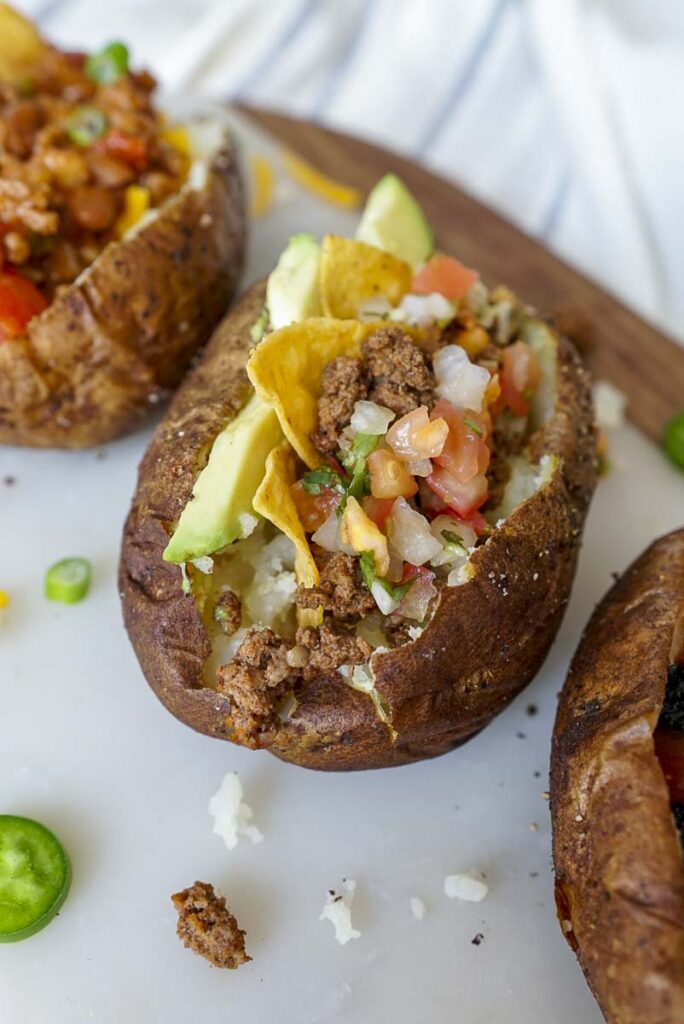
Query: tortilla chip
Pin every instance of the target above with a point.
(352, 273)
(273, 501)
(286, 367)
(20, 44)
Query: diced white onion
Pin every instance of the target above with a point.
(384, 601)
(421, 310)
(451, 554)
(458, 380)
(477, 296)
(409, 534)
(371, 418)
(417, 600)
(420, 467)
(328, 537)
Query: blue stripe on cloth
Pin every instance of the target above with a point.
(274, 52)
(555, 208)
(339, 71)
(464, 78)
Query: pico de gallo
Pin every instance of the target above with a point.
(83, 155)
(415, 438)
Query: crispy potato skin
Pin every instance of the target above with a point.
(618, 861)
(487, 640)
(124, 334)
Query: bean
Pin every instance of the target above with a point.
(92, 207)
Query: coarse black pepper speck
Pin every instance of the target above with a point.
(477, 939)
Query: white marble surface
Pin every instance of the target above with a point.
(86, 748)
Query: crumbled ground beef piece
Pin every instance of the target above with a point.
(672, 714)
(341, 590)
(342, 385)
(329, 648)
(206, 926)
(228, 611)
(398, 371)
(255, 681)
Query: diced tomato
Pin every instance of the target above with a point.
(132, 149)
(519, 378)
(389, 477)
(414, 572)
(462, 498)
(314, 509)
(445, 275)
(477, 521)
(20, 301)
(669, 746)
(378, 509)
(465, 452)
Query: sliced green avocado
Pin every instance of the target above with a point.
(223, 492)
(292, 289)
(392, 220)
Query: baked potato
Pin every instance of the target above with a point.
(617, 793)
(121, 241)
(297, 574)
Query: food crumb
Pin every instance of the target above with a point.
(477, 939)
(207, 927)
(534, 826)
(337, 910)
(532, 710)
(418, 908)
(537, 775)
(232, 816)
(468, 886)
(546, 795)
(521, 735)
(9, 481)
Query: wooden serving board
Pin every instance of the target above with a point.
(618, 345)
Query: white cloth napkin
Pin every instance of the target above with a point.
(563, 114)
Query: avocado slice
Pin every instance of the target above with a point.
(292, 289)
(220, 510)
(392, 220)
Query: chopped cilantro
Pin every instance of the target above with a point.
(355, 463)
(324, 476)
(367, 566)
(453, 538)
(475, 427)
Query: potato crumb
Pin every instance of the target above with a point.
(337, 910)
(232, 816)
(418, 908)
(468, 886)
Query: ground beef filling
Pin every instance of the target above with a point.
(393, 372)
(228, 611)
(266, 668)
(341, 590)
(342, 385)
(206, 926)
(398, 372)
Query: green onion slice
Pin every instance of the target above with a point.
(85, 125)
(68, 581)
(109, 65)
(673, 439)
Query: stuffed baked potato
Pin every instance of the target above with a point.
(355, 532)
(617, 794)
(121, 241)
